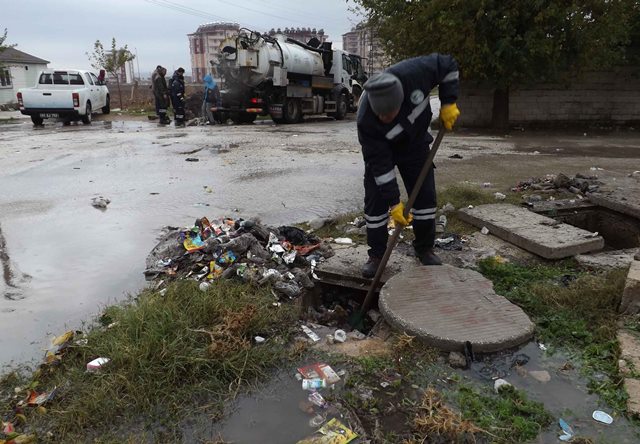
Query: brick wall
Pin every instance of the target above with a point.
(610, 98)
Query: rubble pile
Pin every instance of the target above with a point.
(284, 257)
(560, 182)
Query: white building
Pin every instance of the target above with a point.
(17, 70)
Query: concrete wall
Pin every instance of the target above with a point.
(611, 98)
(22, 76)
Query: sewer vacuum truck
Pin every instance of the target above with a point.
(285, 78)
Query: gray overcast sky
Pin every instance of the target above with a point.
(63, 30)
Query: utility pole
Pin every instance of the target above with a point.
(138, 64)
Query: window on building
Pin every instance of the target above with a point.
(5, 78)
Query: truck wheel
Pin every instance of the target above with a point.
(291, 111)
(86, 119)
(107, 108)
(341, 108)
(37, 120)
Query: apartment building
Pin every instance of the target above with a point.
(362, 41)
(204, 44)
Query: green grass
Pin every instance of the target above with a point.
(161, 368)
(509, 415)
(461, 196)
(579, 315)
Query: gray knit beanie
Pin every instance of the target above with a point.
(384, 92)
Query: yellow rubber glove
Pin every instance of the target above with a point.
(449, 114)
(397, 214)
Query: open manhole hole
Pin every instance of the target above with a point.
(620, 231)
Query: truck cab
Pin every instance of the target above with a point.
(70, 94)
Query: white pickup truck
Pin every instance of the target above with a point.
(70, 94)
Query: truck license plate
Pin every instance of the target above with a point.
(48, 115)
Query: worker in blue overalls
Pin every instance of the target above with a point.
(393, 122)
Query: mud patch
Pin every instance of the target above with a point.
(172, 136)
(263, 174)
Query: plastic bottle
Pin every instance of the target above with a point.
(313, 384)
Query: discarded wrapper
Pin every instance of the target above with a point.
(259, 339)
(97, 364)
(317, 399)
(334, 432)
(319, 370)
(37, 399)
(310, 333)
(343, 241)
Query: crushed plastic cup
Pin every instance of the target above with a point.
(97, 364)
(340, 336)
(316, 421)
(602, 417)
(500, 384)
(204, 286)
(566, 428)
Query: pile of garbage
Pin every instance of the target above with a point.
(240, 249)
(551, 183)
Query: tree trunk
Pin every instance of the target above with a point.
(119, 91)
(500, 115)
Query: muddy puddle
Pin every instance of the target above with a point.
(565, 394)
(62, 259)
(272, 414)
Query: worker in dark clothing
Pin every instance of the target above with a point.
(161, 93)
(177, 95)
(393, 122)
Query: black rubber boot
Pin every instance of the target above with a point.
(371, 267)
(430, 258)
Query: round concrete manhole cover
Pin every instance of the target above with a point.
(446, 306)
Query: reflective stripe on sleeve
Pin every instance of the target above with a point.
(385, 178)
(393, 132)
(453, 75)
(419, 109)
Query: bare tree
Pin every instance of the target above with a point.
(111, 61)
(3, 38)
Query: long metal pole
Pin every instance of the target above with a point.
(393, 239)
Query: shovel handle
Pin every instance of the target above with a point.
(393, 240)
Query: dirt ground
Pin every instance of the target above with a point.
(62, 259)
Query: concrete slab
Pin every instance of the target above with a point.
(630, 303)
(445, 306)
(625, 198)
(535, 233)
(608, 259)
(630, 349)
(632, 386)
(343, 269)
